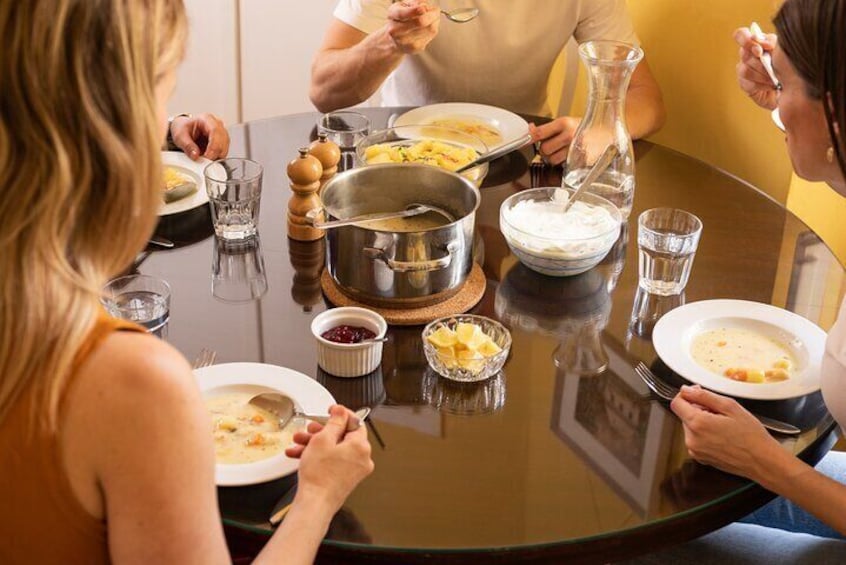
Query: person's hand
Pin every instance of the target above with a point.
(751, 75)
(332, 460)
(202, 135)
(720, 432)
(412, 24)
(555, 138)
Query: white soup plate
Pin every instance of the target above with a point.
(256, 378)
(675, 331)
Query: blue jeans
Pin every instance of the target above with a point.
(778, 533)
(782, 514)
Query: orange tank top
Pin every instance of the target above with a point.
(41, 520)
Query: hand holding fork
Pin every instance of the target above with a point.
(668, 392)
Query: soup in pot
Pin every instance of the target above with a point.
(422, 222)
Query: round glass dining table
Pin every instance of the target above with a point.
(565, 455)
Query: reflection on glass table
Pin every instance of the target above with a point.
(238, 274)
(610, 421)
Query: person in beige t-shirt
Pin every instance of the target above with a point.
(503, 58)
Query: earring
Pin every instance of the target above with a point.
(829, 155)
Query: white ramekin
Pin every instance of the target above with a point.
(348, 359)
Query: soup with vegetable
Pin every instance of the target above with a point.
(743, 355)
(244, 433)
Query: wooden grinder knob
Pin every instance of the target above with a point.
(329, 155)
(304, 173)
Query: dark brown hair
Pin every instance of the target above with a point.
(812, 34)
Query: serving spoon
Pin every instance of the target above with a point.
(283, 407)
(598, 168)
(503, 149)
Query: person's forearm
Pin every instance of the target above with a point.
(345, 77)
(644, 111)
(785, 475)
(297, 539)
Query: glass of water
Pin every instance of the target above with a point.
(345, 128)
(234, 189)
(142, 299)
(667, 239)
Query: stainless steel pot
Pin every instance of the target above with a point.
(400, 269)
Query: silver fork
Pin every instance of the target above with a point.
(536, 168)
(205, 358)
(668, 392)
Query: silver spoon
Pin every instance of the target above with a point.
(598, 168)
(283, 407)
(503, 149)
(461, 15)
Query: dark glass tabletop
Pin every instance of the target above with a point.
(565, 454)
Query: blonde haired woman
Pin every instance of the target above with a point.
(105, 441)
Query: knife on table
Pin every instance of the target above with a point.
(283, 505)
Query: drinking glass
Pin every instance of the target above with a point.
(142, 299)
(346, 129)
(234, 189)
(238, 273)
(667, 239)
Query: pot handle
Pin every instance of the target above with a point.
(312, 216)
(411, 266)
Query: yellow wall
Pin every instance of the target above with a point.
(692, 54)
(823, 209)
(690, 50)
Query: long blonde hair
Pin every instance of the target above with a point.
(79, 170)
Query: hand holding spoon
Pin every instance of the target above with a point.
(283, 407)
(766, 58)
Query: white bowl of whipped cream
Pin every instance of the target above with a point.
(553, 242)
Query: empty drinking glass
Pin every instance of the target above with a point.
(346, 129)
(667, 239)
(234, 189)
(142, 299)
(238, 271)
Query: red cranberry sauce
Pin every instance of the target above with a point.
(347, 334)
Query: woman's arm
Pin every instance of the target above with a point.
(151, 453)
(720, 432)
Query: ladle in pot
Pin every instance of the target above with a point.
(411, 210)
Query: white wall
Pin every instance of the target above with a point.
(250, 59)
(278, 41)
(207, 80)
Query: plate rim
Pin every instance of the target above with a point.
(667, 339)
(199, 198)
(258, 374)
(482, 111)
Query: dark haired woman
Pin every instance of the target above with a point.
(808, 522)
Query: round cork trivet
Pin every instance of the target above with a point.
(469, 295)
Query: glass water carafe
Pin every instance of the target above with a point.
(609, 66)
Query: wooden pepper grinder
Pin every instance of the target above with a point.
(329, 155)
(308, 259)
(304, 173)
